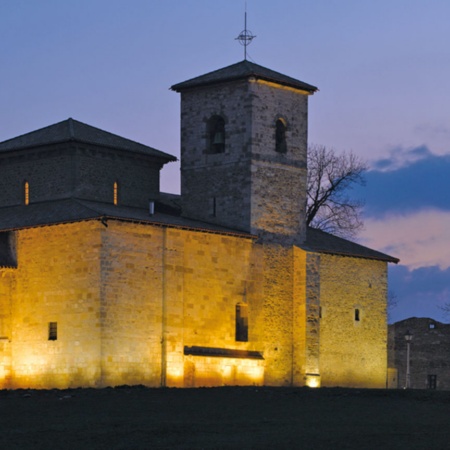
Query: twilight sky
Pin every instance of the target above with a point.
(382, 67)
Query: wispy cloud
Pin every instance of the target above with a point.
(400, 157)
(407, 215)
(419, 239)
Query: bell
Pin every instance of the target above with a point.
(218, 138)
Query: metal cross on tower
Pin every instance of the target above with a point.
(245, 37)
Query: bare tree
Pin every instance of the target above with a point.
(330, 178)
(392, 303)
(445, 308)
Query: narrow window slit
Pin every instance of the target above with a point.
(241, 322)
(52, 331)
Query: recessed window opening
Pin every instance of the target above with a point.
(52, 331)
(115, 193)
(280, 136)
(8, 257)
(241, 322)
(214, 207)
(216, 134)
(26, 192)
(357, 315)
(431, 381)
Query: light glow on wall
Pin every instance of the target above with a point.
(312, 380)
(175, 375)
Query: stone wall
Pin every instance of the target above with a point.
(216, 187)
(429, 353)
(96, 171)
(278, 185)
(81, 171)
(353, 352)
(249, 186)
(56, 281)
(49, 172)
(128, 301)
(6, 289)
(144, 304)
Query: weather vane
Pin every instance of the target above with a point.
(245, 37)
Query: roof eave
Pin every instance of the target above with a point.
(381, 257)
(105, 217)
(185, 86)
(164, 156)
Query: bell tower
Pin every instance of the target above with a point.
(244, 149)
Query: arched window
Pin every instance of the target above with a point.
(357, 315)
(241, 322)
(116, 193)
(26, 192)
(280, 136)
(216, 135)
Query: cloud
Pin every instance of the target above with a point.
(420, 238)
(406, 181)
(420, 292)
(407, 215)
(400, 157)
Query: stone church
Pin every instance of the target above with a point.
(106, 281)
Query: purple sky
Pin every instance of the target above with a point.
(382, 67)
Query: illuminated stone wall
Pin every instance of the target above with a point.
(278, 314)
(6, 288)
(56, 281)
(127, 299)
(352, 353)
(143, 304)
(306, 330)
(207, 275)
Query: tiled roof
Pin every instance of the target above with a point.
(71, 130)
(320, 242)
(167, 214)
(75, 210)
(242, 70)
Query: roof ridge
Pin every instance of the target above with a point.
(74, 130)
(242, 70)
(71, 130)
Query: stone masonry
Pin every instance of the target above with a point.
(223, 285)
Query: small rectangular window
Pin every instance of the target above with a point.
(431, 326)
(52, 331)
(431, 381)
(357, 316)
(241, 323)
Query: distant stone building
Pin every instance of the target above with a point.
(429, 354)
(105, 281)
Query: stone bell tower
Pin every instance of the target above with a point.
(243, 150)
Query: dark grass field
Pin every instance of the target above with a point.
(224, 418)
